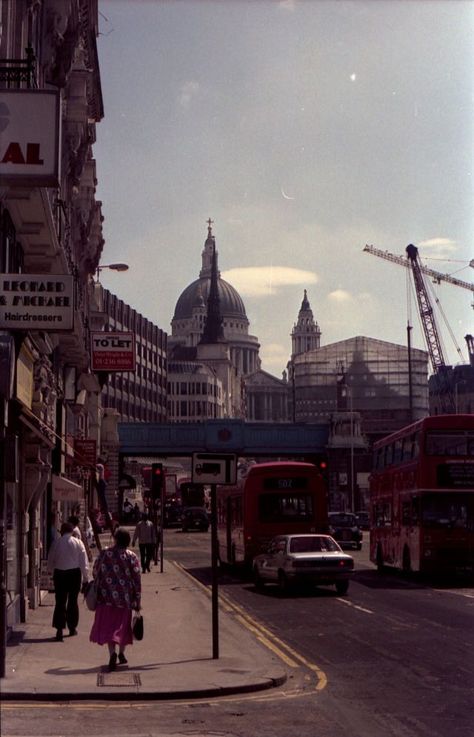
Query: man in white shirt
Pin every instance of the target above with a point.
(74, 520)
(145, 532)
(68, 562)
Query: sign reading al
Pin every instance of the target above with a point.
(29, 144)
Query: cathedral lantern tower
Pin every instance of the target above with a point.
(306, 334)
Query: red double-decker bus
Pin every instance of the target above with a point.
(422, 496)
(270, 499)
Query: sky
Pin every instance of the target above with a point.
(305, 129)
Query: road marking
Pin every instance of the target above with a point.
(252, 623)
(268, 638)
(454, 591)
(355, 606)
(265, 641)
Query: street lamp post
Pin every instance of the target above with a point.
(351, 409)
(114, 267)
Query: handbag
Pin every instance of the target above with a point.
(90, 596)
(137, 627)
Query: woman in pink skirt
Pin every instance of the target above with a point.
(117, 574)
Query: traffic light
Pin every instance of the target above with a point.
(323, 466)
(157, 480)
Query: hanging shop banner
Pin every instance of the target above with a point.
(25, 365)
(36, 302)
(85, 451)
(113, 351)
(29, 144)
(64, 490)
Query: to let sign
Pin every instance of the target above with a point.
(113, 352)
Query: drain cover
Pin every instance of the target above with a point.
(118, 679)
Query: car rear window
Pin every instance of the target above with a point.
(312, 545)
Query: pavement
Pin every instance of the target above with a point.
(173, 661)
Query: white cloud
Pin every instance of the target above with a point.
(288, 5)
(439, 247)
(274, 356)
(262, 281)
(188, 91)
(340, 295)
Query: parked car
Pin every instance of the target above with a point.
(344, 527)
(315, 559)
(194, 518)
(363, 519)
(173, 515)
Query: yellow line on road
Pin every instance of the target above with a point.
(265, 641)
(268, 638)
(271, 637)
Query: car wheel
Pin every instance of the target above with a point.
(283, 583)
(342, 587)
(258, 580)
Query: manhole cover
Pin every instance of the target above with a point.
(118, 679)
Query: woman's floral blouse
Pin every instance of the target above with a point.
(117, 572)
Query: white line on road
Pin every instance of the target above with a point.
(355, 606)
(454, 591)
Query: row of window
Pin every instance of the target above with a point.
(192, 409)
(456, 443)
(132, 412)
(132, 320)
(121, 382)
(140, 392)
(194, 387)
(401, 450)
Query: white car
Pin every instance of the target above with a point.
(315, 559)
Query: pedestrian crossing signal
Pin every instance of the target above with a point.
(157, 480)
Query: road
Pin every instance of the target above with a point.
(393, 658)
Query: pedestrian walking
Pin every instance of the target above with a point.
(136, 512)
(117, 574)
(74, 521)
(145, 533)
(67, 560)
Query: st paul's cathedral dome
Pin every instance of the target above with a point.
(190, 314)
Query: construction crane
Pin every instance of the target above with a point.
(437, 276)
(433, 342)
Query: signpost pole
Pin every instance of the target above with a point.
(162, 527)
(215, 579)
(213, 469)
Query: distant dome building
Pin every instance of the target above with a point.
(190, 315)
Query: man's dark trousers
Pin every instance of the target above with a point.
(67, 585)
(147, 551)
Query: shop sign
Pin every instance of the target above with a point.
(24, 377)
(112, 351)
(85, 451)
(36, 302)
(29, 144)
(64, 490)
